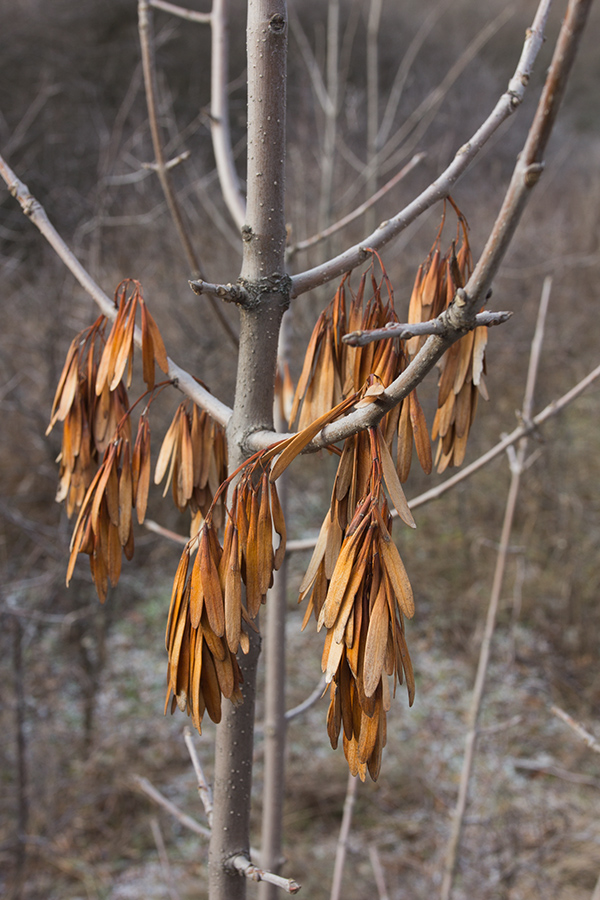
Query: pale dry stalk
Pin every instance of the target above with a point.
(342, 844)
(490, 623)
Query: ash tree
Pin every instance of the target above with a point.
(356, 396)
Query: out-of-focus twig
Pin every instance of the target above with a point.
(190, 14)
(378, 873)
(148, 788)
(505, 107)
(577, 727)
(312, 698)
(149, 69)
(165, 865)
(203, 786)
(219, 114)
(490, 624)
(356, 213)
(342, 844)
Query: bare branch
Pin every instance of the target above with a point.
(404, 68)
(577, 727)
(418, 122)
(378, 873)
(243, 865)
(190, 14)
(312, 698)
(165, 532)
(203, 787)
(529, 165)
(459, 316)
(490, 623)
(169, 164)
(147, 788)
(219, 114)
(356, 213)
(149, 69)
(441, 187)
(406, 331)
(342, 844)
(164, 859)
(522, 430)
(310, 62)
(36, 212)
(232, 293)
(548, 768)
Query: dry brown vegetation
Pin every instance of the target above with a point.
(83, 684)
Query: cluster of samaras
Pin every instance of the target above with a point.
(356, 584)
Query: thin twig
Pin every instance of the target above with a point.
(414, 127)
(312, 698)
(232, 293)
(153, 526)
(356, 213)
(505, 107)
(203, 786)
(548, 768)
(404, 331)
(577, 727)
(243, 865)
(342, 844)
(219, 114)
(164, 859)
(378, 873)
(190, 14)
(395, 94)
(149, 69)
(34, 210)
(490, 624)
(147, 788)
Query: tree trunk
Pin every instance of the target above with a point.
(263, 276)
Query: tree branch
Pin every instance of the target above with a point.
(356, 213)
(204, 790)
(147, 788)
(342, 844)
(490, 623)
(219, 113)
(441, 187)
(577, 727)
(190, 14)
(406, 331)
(37, 214)
(458, 318)
(243, 865)
(162, 170)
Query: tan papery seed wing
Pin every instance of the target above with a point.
(393, 483)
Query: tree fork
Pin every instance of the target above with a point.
(268, 290)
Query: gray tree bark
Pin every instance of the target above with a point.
(267, 287)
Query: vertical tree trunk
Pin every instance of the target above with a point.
(263, 276)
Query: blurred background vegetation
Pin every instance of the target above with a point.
(82, 684)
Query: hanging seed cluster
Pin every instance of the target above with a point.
(193, 457)
(356, 585)
(463, 365)
(359, 592)
(101, 477)
(334, 370)
(208, 618)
